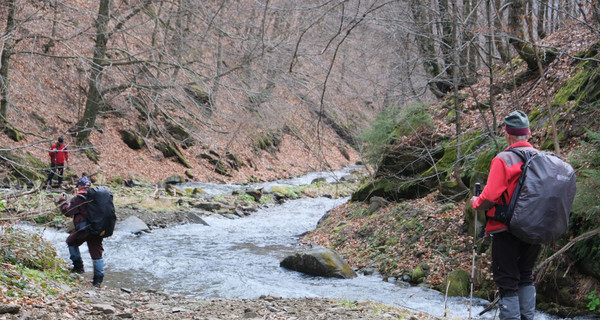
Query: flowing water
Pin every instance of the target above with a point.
(240, 259)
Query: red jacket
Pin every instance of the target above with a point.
(58, 154)
(502, 181)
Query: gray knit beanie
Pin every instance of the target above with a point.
(517, 123)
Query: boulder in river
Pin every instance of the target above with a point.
(132, 224)
(320, 262)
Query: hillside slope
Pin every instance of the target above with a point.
(230, 107)
(425, 237)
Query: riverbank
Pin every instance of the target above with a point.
(56, 294)
(87, 302)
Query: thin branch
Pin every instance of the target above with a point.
(568, 246)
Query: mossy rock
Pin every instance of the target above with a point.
(419, 273)
(170, 150)
(459, 283)
(132, 139)
(219, 166)
(480, 168)
(320, 262)
(13, 132)
(174, 179)
(180, 134)
(144, 130)
(23, 167)
(201, 97)
(391, 189)
(234, 161)
(452, 190)
(280, 189)
(409, 160)
(268, 141)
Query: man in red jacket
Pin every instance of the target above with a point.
(512, 259)
(58, 155)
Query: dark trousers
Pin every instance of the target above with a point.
(59, 170)
(94, 242)
(512, 262)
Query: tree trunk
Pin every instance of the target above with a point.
(501, 46)
(457, 171)
(94, 96)
(5, 62)
(490, 64)
(517, 38)
(541, 16)
(469, 55)
(596, 10)
(220, 68)
(529, 21)
(447, 44)
(426, 44)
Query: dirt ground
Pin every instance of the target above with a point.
(88, 302)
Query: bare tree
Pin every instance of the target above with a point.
(7, 48)
(94, 96)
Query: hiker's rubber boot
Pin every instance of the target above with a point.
(509, 306)
(527, 301)
(98, 272)
(78, 267)
(76, 258)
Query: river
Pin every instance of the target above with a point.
(239, 258)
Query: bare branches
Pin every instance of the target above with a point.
(562, 250)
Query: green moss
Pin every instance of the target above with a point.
(12, 132)
(23, 166)
(418, 273)
(118, 180)
(268, 141)
(459, 284)
(569, 90)
(180, 134)
(234, 161)
(132, 139)
(170, 150)
(340, 227)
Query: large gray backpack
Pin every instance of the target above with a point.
(540, 207)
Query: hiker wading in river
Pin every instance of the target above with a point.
(78, 209)
(512, 259)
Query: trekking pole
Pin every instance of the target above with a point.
(477, 193)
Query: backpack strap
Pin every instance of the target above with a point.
(505, 210)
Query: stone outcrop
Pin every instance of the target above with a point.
(320, 262)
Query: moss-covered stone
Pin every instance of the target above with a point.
(214, 159)
(201, 97)
(419, 273)
(459, 283)
(170, 150)
(12, 132)
(132, 139)
(23, 167)
(320, 262)
(234, 161)
(392, 189)
(268, 141)
(180, 134)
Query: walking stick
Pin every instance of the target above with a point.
(477, 193)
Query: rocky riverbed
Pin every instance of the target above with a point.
(87, 302)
